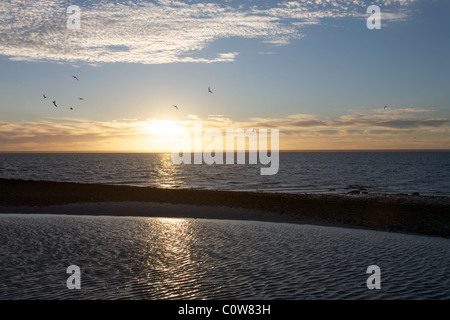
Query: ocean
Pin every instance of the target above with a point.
(161, 258)
(426, 173)
(164, 258)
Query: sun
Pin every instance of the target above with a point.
(164, 128)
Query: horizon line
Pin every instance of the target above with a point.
(286, 150)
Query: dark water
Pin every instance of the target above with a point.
(159, 258)
(303, 172)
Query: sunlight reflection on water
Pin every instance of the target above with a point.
(162, 258)
(303, 172)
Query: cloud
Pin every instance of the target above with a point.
(395, 119)
(376, 129)
(73, 134)
(193, 117)
(161, 31)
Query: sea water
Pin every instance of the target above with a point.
(426, 173)
(162, 258)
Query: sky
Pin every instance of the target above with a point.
(312, 69)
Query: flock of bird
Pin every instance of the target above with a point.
(176, 107)
(54, 101)
(80, 98)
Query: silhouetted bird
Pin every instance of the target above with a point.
(80, 98)
(385, 107)
(209, 90)
(45, 97)
(54, 102)
(176, 107)
(75, 77)
(71, 108)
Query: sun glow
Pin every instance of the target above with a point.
(164, 128)
(159, 135)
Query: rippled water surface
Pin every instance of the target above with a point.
(300, 172)
(158, 258)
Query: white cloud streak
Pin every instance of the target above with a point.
(159, 32)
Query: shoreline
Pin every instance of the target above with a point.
(419, 215)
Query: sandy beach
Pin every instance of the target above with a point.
(400, 213)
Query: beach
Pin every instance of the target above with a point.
(420, 215)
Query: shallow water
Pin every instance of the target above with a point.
(159, 258)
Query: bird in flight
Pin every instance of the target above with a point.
(54, 102)
(209, 90)
(75, 77)
(45, 97)
(176, 107)
(385, 107)
(71, 108)
(80, 98)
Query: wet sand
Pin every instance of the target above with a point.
(400, 213)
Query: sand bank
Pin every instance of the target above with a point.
(406, 214)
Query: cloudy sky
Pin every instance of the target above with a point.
(310, 68)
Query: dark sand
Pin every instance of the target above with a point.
(405, 214)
